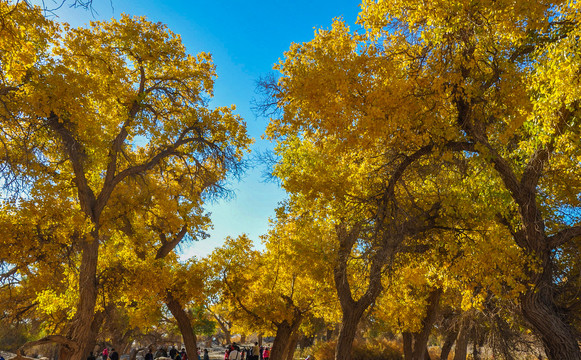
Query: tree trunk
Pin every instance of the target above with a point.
(350, 320)
(462, 340)
(282, 340)
(557, 335)
(242, 338)
(292, 346)
(421, 338)
(407, 345)
(184, 324)
(82, 331)
(448, 342)
(475, 351)
(225, 329)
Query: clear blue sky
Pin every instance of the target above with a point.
(245, 39)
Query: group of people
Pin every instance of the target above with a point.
(174, 354)
(105, 355)
(234, 352)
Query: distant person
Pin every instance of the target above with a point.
(149, 355)
(265, 354)
(234, 353)
(114, 355)
(184, 354)
(105, 354)
(206, 356)
(173, 352)
(255, 351)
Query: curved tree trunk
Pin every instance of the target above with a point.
(556, 333)
(538, 303)
(225, 327)
(184, 324)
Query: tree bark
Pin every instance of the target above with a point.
(408, 348)
(462, 341)
(82, 331)
(540, 310)
(284, 334)
(184, 324)
(421, 338)
(349, 322)
(448, 342)
(292, 346)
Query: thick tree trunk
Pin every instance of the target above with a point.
(82, 330)
(350, 321)
(408, 347)
(539, 308)
(242, 338)
(283, 337)
(184, 324)
(292, 346)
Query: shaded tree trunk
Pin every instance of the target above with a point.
(349, 322)
(284, 334)
(408, 348)
(82, 331)
(539, 308)
(420, 351)
(448, 342)
(292, 346)
(184, 324)
(416, 344)
(462, 340)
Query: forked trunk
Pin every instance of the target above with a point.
(415, 345)
(284, 336)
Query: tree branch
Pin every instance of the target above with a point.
(564, 236)
(168, 246)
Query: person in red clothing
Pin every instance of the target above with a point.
(266, 353)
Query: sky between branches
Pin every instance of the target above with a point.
(245, 39)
